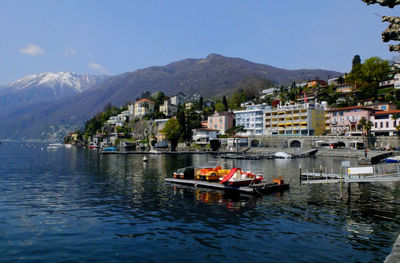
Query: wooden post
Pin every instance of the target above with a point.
(300, 173)
(348, 192)
(341, 184)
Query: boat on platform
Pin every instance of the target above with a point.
(184, 173)
(237, 177)
(393, 159)
(210, 172)
(109, 149)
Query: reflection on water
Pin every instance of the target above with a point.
(76, 205)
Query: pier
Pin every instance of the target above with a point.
(364, 174)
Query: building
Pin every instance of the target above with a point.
(346, 88)
(159, 126)
(383, 123)
(189, 105)
(252, 119)
(168, 108)
(343, 121)
(395, 82)
(204, 135)
(143, 107)
(297, 119)
(178, 99)
(221, 121)
(385, 106)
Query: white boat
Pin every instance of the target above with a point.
(282, 155)
(54, 146)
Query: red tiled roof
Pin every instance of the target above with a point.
(143, 100)
(353, 108)
(387, 112)
(206, 129)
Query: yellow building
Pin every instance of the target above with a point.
(297, 119)
(143, 107)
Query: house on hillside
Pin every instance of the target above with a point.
(143, 107)
(178, 99)
(168, 108)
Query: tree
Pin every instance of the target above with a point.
(361, 125)
(220, 107)
(225, 102)
(395, 117)
(172, 132)
(356, 62)
(368, 75)
(201, 102)
(392, 32)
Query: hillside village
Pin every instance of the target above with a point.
(349, 105)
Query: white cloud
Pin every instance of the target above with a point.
(32, 50)
(98, 68)
(70, 52)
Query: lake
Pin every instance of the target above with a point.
(77, 205)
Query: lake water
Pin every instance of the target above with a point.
(77, 205)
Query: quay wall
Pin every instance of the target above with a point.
(307, 142)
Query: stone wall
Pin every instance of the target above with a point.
(306, 142)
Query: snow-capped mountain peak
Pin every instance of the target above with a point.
(58, 82)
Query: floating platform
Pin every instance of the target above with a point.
(256, 189)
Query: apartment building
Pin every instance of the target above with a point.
(252, 119)
(221, 121)
(343, 121)
(297, 119)
(143, 107)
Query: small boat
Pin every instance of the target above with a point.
(54, 146)
(184, 173)
(283, 155)
(211, 173)
(109, 149)
(236, 177)
(93, 146)
(68, 145)
(393, 159)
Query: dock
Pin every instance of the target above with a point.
(256, 189)
(364, 174)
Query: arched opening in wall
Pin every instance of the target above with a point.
(255, 143)
(295, 144)
(340, 145)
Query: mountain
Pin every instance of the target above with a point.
(47, 86)
(211, 76)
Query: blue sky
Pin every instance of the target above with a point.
(117, 36)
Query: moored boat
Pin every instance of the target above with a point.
(184, 173)
(237, 177)
(109, 149)
(211, 173)
(393, 159)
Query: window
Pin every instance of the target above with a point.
(381, 124)
(376, 125)
(387, 124)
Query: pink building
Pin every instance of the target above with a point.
(343, 121)
(384, 124)
(221, 121)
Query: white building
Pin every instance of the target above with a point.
(204, 135)
(178, 99)
(143, 107)
(383, 123)
(395, 82)
(252, 119)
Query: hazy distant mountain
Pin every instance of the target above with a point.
(214, 75)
